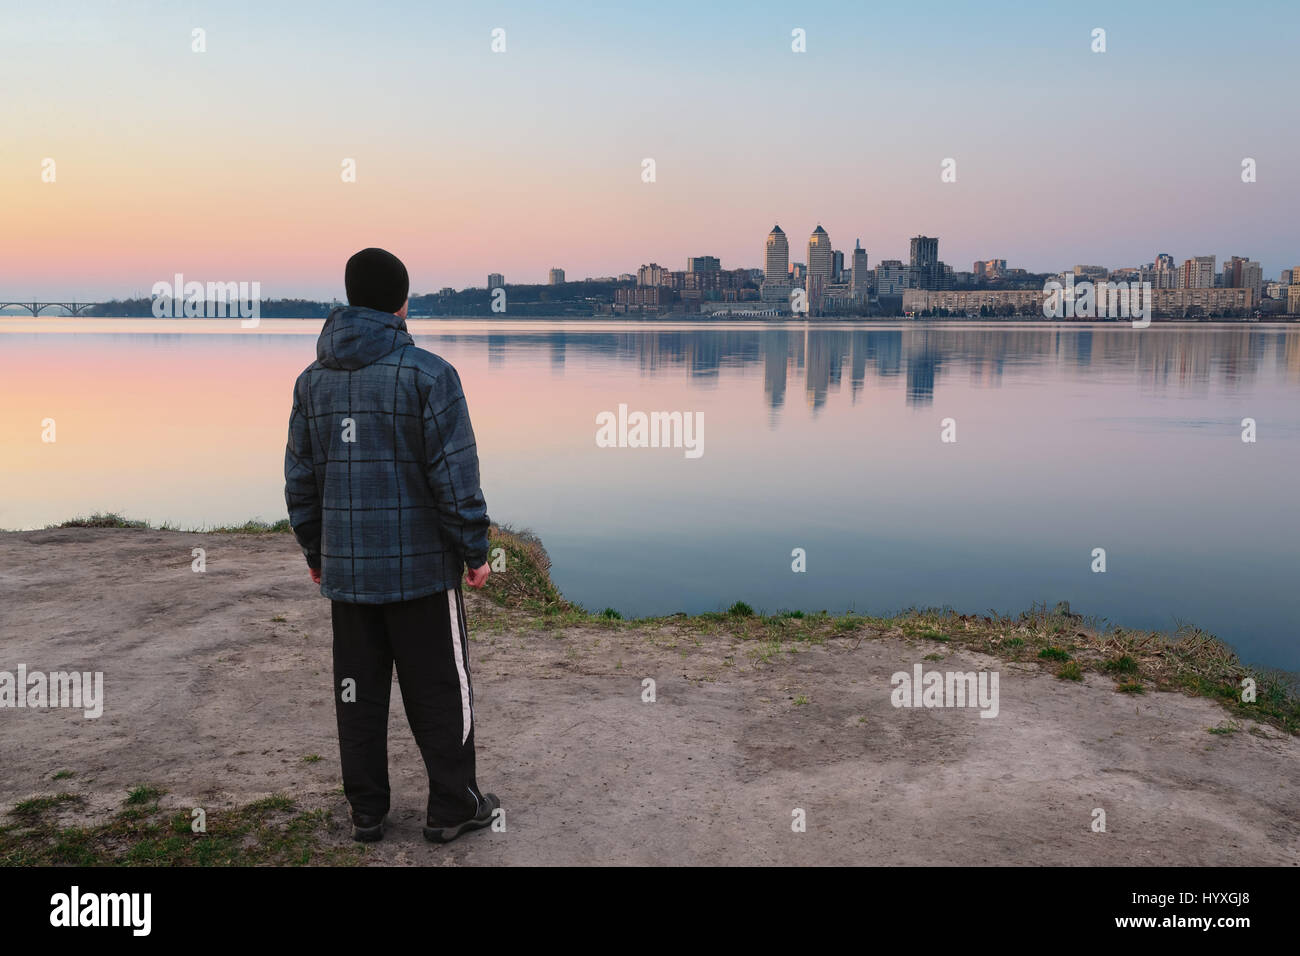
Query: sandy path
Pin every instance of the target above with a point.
(210, 699)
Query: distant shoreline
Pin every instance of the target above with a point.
(700, 319)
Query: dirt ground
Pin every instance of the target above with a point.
(211, 699)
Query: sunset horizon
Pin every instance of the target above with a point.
(229, 162)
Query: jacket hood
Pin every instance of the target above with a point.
(354, 337)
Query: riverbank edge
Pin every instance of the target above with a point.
(1189, 660)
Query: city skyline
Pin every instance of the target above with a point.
(1212, 263)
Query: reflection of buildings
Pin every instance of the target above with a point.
(1188, 360)
(822, 366)
(922, 368)
(776, 361)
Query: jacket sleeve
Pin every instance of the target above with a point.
(452, 468)
(300, 493)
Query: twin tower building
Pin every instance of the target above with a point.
(826, 284)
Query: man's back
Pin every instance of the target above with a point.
(381, 468)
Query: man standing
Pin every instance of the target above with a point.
(382, 485)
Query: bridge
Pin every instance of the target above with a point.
(72, 308)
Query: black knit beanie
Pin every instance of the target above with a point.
(376, 279)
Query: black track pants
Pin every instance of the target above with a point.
(426, 639)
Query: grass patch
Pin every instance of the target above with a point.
(112, 519)
(101, 519)
(138, 796)
(253, 527)
(525, 580)
(1124, 664)
(38, 806)
(269, 832)
(1053, 654)
(1070, 670)
(740, 609)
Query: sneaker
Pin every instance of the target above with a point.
(444, 834)
(368, 829)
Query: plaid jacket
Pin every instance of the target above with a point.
(381, 470)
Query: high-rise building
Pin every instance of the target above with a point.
(703, 264)
(1252, 277)
(775, 287)
(1197, 273)
(837, 266)
(496, 280)
(1288, 275)
(1165, 274)
(652, 275)
(860, 281)
(776, 262)
(1241, 273)
(821, 266)
(556, 277)
(891, 277)
(821, 259)
(1232, 272)
(923, 269)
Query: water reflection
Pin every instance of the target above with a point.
(1191, 359)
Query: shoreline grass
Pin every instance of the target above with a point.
(1071, 646)
(113, 519)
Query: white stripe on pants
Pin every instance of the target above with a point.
(466, 712)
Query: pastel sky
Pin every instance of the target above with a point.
(225, 165)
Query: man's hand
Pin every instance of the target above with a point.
(477, 577)
(315, 575)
